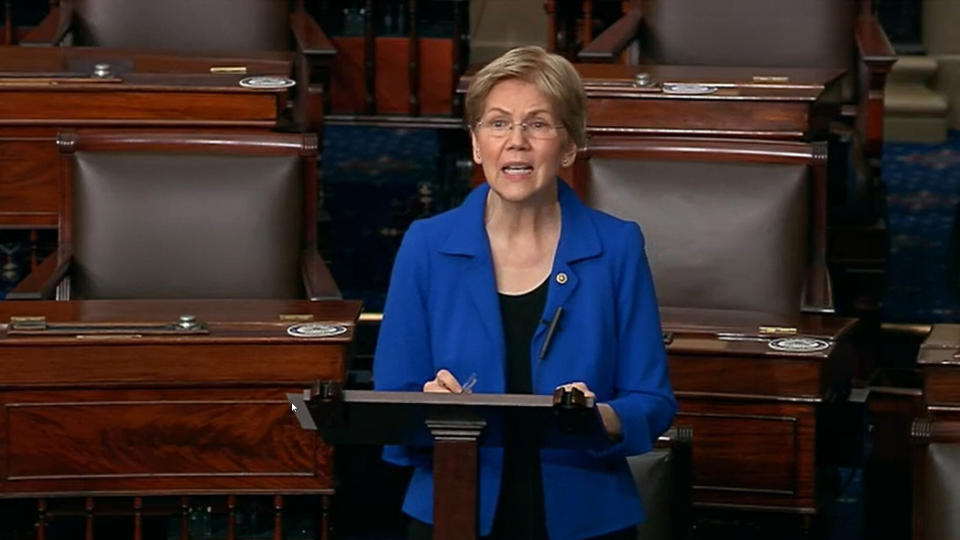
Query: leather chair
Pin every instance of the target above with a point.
(664, 479)
(241, 30)
(166, 214)
(936, 479)
(728, 224)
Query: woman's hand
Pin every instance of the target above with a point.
(609, 417)
(444, 381)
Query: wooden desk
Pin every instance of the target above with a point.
(749, 102)
(91, 415)
(43, 89)
(939, 362)
(753, 409)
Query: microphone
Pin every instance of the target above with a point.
(551, 330)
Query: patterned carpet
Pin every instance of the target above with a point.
(923, 191)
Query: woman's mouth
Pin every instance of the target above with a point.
(517, 169)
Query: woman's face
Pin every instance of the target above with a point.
(520, 164)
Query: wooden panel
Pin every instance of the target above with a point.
(175, 363)
(347, 86)
(726, 375)
(752, 453)
(92, 108)
(163, 443)
(28, 175)
(392, 79)
(685, 116)
(942, 385)
(436, 76)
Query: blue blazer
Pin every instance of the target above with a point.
(442, 311)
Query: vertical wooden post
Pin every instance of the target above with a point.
(8, 22)
(231, 517)
(370, 58)
(88, 530)
(414, 59)
(138, 518)
(34, 240)
(550, 7)
(461, 25)
(587, 22)
(41, 519)
(324, 522)
(278, 517)
(184, 525)
(455, 477)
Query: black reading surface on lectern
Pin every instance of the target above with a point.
(409, 418)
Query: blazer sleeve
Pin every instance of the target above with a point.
(403, 359)
(643, 399)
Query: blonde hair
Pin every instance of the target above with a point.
(551, 73)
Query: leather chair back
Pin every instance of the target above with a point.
(188, 223)
(184, 26)
(718, 235)
(937, 492)
(654, 476)
(761, 33)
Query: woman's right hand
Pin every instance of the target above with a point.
(444, 381)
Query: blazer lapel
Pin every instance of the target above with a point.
(578, 241)
(468, 242)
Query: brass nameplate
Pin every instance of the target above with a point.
(770, 78)
(28, 323)
(296, 317)
(235, 70)
(778, 330)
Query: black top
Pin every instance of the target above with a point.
(520, 511)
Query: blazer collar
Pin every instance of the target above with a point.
(578, 234)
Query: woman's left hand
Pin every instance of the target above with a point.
(611, 421)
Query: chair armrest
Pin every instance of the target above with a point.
(680, 441)
(317, 279)
(872, 43)
(309, 36)
(41, 284)
(611, 42)
(315, 53)
(52, 29)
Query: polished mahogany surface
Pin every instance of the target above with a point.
(97, 412)
(753, 409)
(761, 103)
(44, 89)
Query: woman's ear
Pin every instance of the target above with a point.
(569, 154)
(476, 147)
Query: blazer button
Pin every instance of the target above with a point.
(561, 278)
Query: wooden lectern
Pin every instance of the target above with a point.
(454, 425)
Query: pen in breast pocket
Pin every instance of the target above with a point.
(467, 387)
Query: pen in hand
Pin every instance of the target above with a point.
(467, 387)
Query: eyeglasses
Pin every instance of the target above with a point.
(535, 129)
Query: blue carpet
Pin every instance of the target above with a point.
(377, 181)
(923, 189)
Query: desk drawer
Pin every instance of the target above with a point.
(752, 454)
